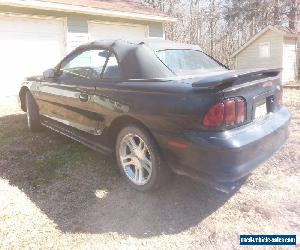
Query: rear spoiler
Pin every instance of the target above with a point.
(229, 78)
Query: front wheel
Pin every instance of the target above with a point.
(139, 159)
(33, 116)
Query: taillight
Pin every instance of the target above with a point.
(240, 111)
(229, 116)
(215, 116)
(226, 113)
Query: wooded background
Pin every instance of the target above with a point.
(221, 26)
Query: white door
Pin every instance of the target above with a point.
(98, 31)
(289, 62)
(28, 46)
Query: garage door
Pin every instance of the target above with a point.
(98, 31)
(28, 46)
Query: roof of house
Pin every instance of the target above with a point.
(287, 31)
(284, 31)
(130, 9)
(119, 5)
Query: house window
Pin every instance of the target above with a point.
(264, 50)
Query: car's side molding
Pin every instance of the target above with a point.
(76, 125)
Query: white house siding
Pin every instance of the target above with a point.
(249, 57)
(109, 30)
(289, 59)
(77, 32)
(82, 29)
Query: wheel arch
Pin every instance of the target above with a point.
(122, 121)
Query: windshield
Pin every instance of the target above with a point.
(188, 62)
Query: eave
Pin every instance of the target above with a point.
(33, 4)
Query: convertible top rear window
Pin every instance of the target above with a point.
(188, 62)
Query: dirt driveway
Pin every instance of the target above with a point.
(55, 193)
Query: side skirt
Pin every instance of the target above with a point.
(91, 141)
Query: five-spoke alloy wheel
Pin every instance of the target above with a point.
(139, 159)
(135, 159)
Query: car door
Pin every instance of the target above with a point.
(109, 99)
(68, 98)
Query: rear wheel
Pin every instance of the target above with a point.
(139, 159)
(33, 117)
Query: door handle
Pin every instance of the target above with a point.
(83, 97)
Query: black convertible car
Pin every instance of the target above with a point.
(161, 106)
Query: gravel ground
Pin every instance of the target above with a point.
(55, 193)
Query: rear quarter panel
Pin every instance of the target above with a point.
(169, 106)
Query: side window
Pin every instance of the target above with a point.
(112, 70)
(88, 65)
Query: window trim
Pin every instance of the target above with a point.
(215, 60)
(77, 52)
(104, 68)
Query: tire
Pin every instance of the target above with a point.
(33, 117)
(134, 160)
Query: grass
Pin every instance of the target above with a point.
(62, 195)
(46, 156)
(53, 160)
(10, 129)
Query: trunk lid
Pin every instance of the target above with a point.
(225, 79)
(259, 88)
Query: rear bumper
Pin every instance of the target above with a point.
(221, 158)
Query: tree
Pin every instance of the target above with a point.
(221, 26)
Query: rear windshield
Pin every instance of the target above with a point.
(188, 62)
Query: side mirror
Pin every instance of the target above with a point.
(104, 53)
(49, 74)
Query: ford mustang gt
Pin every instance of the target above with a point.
(161, 107)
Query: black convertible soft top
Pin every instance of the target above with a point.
(137, 58)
